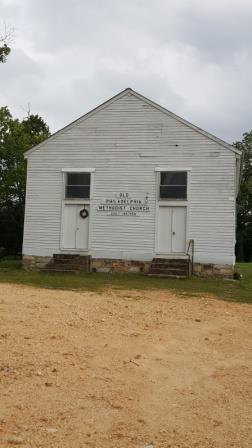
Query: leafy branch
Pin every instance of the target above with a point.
(6, 37)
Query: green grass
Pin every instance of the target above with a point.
(239, 290)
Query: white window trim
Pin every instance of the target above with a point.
(172, 202)
(78, 170)
(75, 200)
(162, 169)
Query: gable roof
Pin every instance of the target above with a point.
(146, 100)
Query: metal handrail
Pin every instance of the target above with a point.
(190, 257)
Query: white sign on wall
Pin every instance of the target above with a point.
(123, 204)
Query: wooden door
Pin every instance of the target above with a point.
(75, 228)
(171, 230)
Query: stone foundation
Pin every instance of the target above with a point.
(34, 263)
(124, 266)
(213, 270)
(119, 266)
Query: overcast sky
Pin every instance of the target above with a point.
(193, 57)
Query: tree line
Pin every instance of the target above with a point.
(244, 201)
(16, 137)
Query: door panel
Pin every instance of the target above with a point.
(164, 229)
(171, 230)
(75, 228)
(82, 227)
(69, 226)
(178, 229)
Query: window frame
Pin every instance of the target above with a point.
(88, 186)
(168, 170)
(65, 171)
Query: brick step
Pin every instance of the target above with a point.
(170, 260)
(61, 256)
(60, 271)
(169, 265)
(68, 261)
(75, 257)
(169, 268)
(169, 271)
(183, 277)
(62, 267)
(164, 266)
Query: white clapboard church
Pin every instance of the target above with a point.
(130, 187)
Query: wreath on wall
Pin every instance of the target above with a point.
(84, 213)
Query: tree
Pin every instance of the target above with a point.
(15, 138)
(244, 200)
(5, 40)
(4, 52)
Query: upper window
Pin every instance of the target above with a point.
(77, 186)
(173, 185)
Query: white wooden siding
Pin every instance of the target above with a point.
(125, 142)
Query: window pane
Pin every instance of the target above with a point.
(77, 191)
(173, 192)
(78, 178)
(174, 178)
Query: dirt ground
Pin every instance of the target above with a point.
(123, 369)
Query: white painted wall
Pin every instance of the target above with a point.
(125, 142)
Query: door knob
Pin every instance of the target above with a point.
(173, 233)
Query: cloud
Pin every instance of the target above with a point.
(192, 57)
